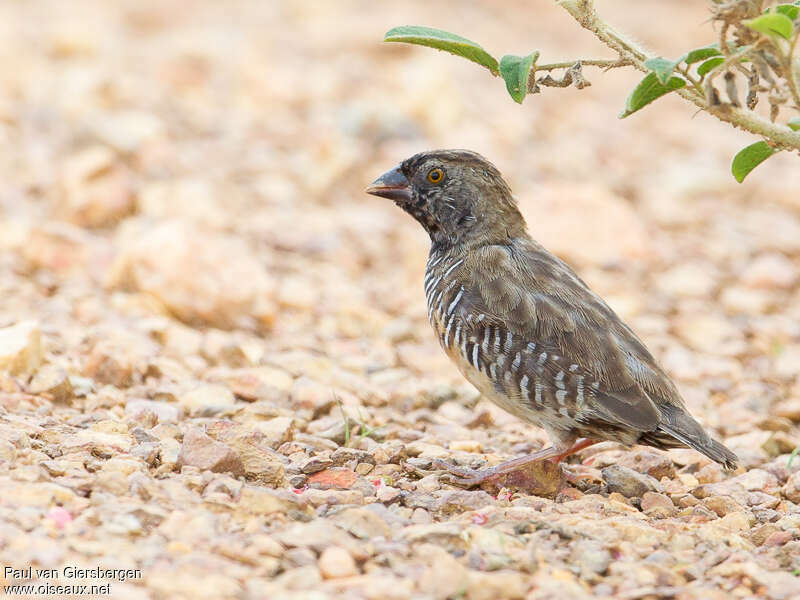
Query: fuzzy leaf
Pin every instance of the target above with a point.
(771, 24)
(748, 158)
(443, 40)
(699, 54)
(790, 10)
(516, 70)
(648, 90)
(707, 66)
(662, 67)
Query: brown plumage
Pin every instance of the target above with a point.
(523, 327)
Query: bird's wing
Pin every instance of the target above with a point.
(538, 298)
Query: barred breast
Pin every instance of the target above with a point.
(527, 378)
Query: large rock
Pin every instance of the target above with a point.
(200, 451)
(20, 348)
(199, 275)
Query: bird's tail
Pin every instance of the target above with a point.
(679, 425)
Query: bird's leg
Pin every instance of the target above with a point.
(469, 477)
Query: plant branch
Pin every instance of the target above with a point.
(584, 13)
(607, 64)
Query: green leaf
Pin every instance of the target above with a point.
(699, 54)
(443, 40)
(516, 71)
(790, 10)
(771, 24)
(648, 90)
(794, 124)
(662, 67)
(748, 158)
(710, 64)
(792, 456)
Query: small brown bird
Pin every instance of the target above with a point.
(524, 329)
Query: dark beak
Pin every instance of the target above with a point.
(393, 185)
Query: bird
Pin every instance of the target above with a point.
(524, 328)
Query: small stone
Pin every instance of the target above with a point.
(335, 562)
(759, 535)
(364, 468)
(107, 364)
(711, 473)
(722, 505)
(333, 478)
(466, 446)
(779, 443)
(255, 383)
(164, 411)
(591, 557)
(207, 400)
(20, 348)
(655, 464)
(126, 130)
(388, 494)
(444, 577)
(687, 279)
(276, 431)
(628, 482)
(314, 464)
(426, 450)
(261, 501)
(53, 381)
(778, 538)
(770, 271)
(317, 497)
(789, 409)
(791, 490)
(657, 505)
(96, 189)
(199, 450)
(308, 393)
(457, 501)
(505, 584)
(8, 452)
(362, 523)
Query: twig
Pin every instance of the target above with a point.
(607, 64)
(584, 13)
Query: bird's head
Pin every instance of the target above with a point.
(457, 195)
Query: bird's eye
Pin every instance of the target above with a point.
(435, 175)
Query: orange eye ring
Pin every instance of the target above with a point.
(435, 175)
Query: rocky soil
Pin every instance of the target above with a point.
(216, 364)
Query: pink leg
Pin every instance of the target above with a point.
(469, 477)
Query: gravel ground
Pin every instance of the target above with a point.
(216, 364)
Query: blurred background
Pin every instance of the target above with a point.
(181, 190)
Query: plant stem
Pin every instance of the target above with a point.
(584, 13)
(608, 64)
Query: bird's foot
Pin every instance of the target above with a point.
(464, 477)
(581, 474)
(538, 471)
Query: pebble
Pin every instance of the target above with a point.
(53, 381)
(791, 490)
(771, 271)
(628, 482)
(207, 400)
(199, 450)
(657, 505)
(335, 562)
(21, 348)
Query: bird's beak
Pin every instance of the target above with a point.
(393, 185)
